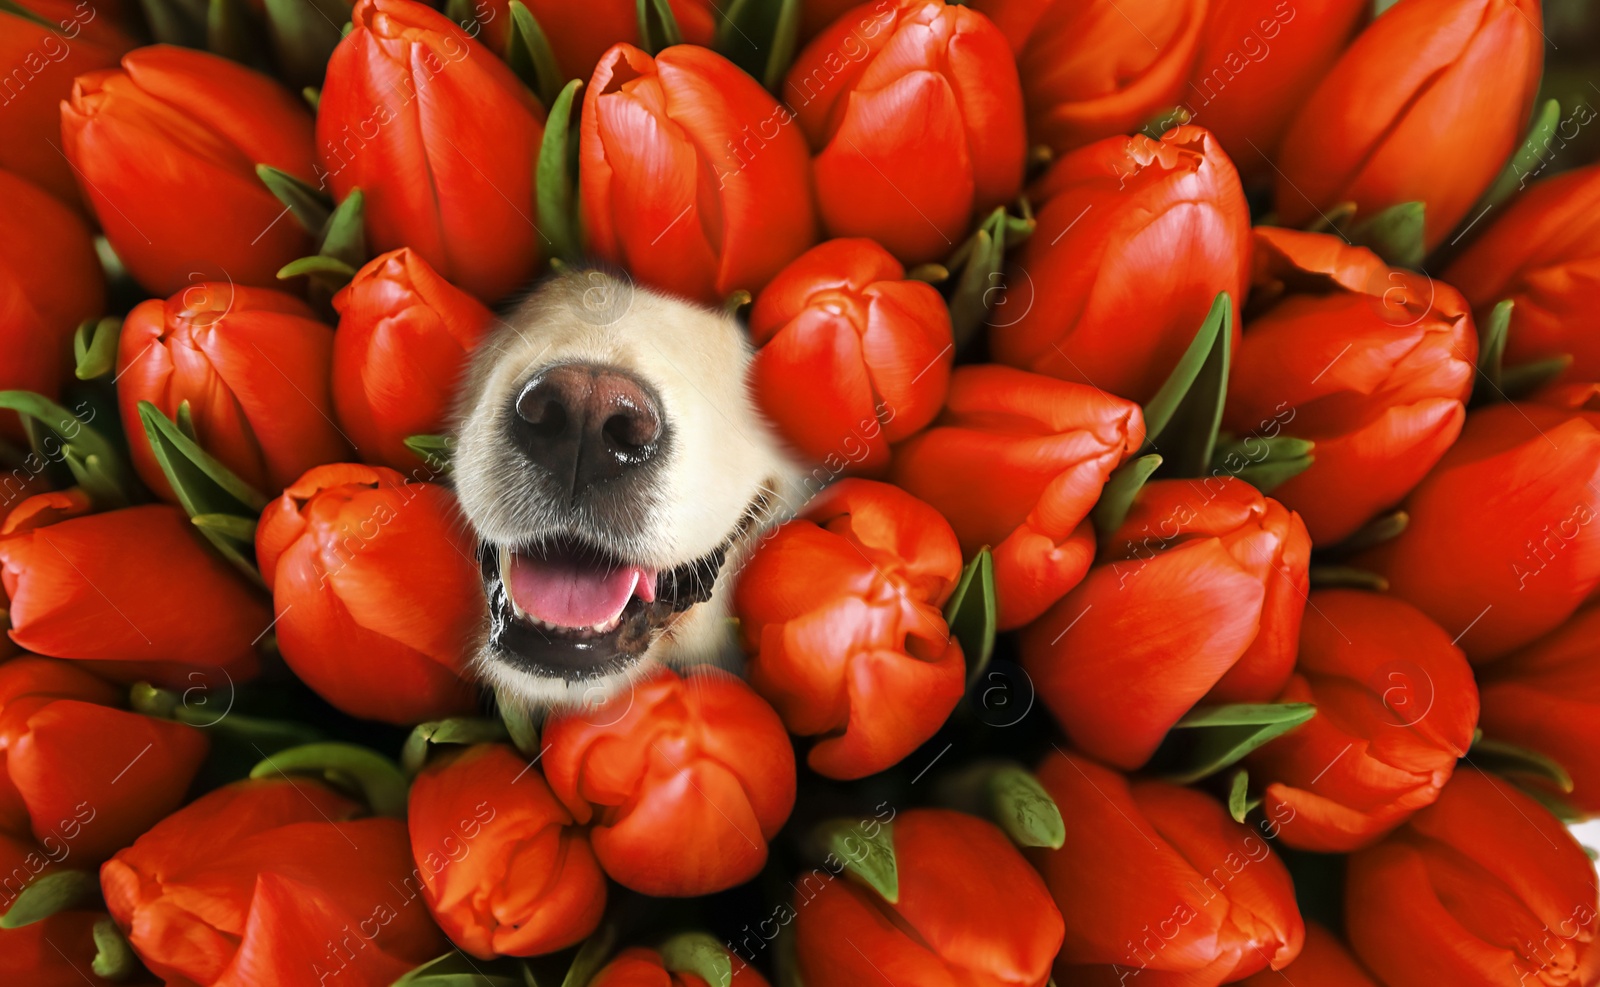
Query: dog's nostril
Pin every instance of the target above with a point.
(587, 424)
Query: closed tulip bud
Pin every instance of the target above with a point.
(504, 870)
(640, 967)
(1091, 72)
(1373, 364)
(53, 952)
(698, 763)
(579, 34)
(1198, 594)
(80, 777)
(1426, 105)
(272, 881)
(852, 355)
(840, 613)
(1484, 888)
(376, 592)
(914, 112)
(392, 122)
(136, 590)
(970, 911)
(1502, 545)
(1258, 61)
(252, 364)
(1546, 698)
(1396, 707)
(1542, 253)
(1129, 224)
(403, 341)
(1016, 462)
(50, 280)
(1324, 962)
(166, 149)
(692, 177)
(1157, 883)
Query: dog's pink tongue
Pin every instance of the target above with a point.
(573, 592)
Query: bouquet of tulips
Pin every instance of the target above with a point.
(1201, 400)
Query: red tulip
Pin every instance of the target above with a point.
(840, 612)
(1197, 596)
(843, 316)
(1427, 104)
(1374, 364)
(1541, 253)
(697, 763)
(53, 952)
(1129, 225)
(137, 590)
(1156, 882)
(1016, 462)
(376, 592)
(403, 341)
(50, 281)
(1501, 547)
(165, 149)
(579, 34)
(639, 967)
(1396, 707)
(1547, 698)
(80, 777)
(1324, 962)
(1091, 71)
(1484, 888)
(394, 120)
(271, 881)
(253, 366)
(503, 869)
(916, 122)
(691, 177)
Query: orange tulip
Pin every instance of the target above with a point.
(1198, 595)
(253, 366)
(840, 613)
(579, 34)
(697, 763)
(80, 777)
(1426, 105)
(1501, 547)
(691, 176)
(1546, 698)
(844, 317)
(1129, 225)
(1016, 462)
(914, 112)
(1324, 962)
(393, 121)
(1157, 884)
(1484, 888)
(1396, 707)
(504, 870)
(1541, 253)
(50, 280)
(639, 967)
(376, 592)
(165, 149)
(271, 881)
(403, 341)
(1091, 71)
(1374, 364)
(136, 590)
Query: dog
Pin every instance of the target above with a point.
(617, 474)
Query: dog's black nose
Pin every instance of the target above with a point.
(587, 424)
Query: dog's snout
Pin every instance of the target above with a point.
(587, 424)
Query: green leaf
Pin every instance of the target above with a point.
(1506, 758)
(1346, 577)
(981, 262)
(177, 22)
(309, 205)
(699, 954)
(870, 859)
(592, 955)
(303, 35)
(1022, 807)
(94, 347)
(1525, 378)
(240, 529)
(1380, 529)
(785, 39)
(554, 188)
(529, 54)
(658, 26)
(313, 97)
(456, 969)
(1379, 6)
(1530, 158)
(1395, 234)
(204, 487)
(1492, 333)
(1263, 462)
(57, 891)
(1240, 804)
(1120, 491)
(1182, 420)
(316, 264)
(96, 465)
(456, 730)
(344, 237)
(435, 450)
(232, 32)
(356, 769)
(521, 728)
(1210, 738)
(113, 957)
(971, 613)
